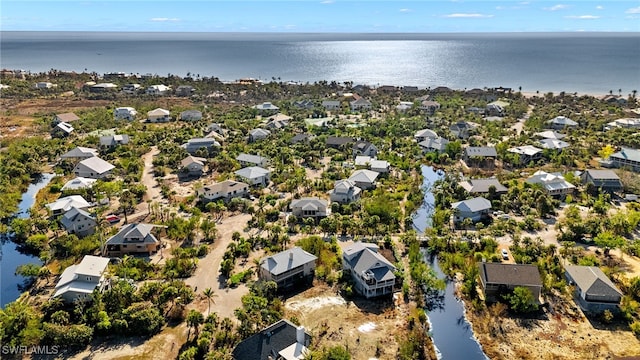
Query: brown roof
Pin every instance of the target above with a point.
(66, 117)
(510, 274)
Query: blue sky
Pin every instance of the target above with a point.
(320, 16)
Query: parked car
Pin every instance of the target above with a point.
(505, 254)
(112, 219)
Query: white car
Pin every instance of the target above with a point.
(505, 254)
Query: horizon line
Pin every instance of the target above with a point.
(331, 32)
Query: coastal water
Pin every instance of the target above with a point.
(451, 332)
(10, 255)
(573, 62)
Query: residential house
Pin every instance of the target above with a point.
(64, 204)
(553, 184)
(193, 166)
(158, 116)
(304, 104)
(339, 141)
(442, 90)
(526, 154)
(125, 113)
(79, 153)
(594, 291)
(288, 267)
(626, 123)
(498, 279)
(607, 180)
(366, 148)
(103, 87)
(193, 145)
(363, 161)
(111, 141)
(94, 168)
(191, 115)
(360, 104)
(310, 207)
(364, 179)
(475, 209)
(158, 90)
(429, 107)
(561, 122)
(66, 117)
(386, 89)
(185, 90)
(44, 85)
(434, 144)
(331, 105)
(131, 89)
(344, 192)
(463, 129)
(410, 89)
(218, 128)
(278, 121)
(404, 106)
(493, 109)
(483, 186)
(615, 100)
(550, 134)
(61, 130)
(372, 274)
(626, 158)
(424, 134)
(553, 144)
(380, 166)
(298, 138)
(258, 134)
(133, 239)
(255, 175)
(252, 160)
(78, 282)
(225, 190)
(79, 222)
(78, 183)
(281, 340)
(267, 108)
(480, 156)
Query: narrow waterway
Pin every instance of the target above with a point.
(10, 255)
(450, 330)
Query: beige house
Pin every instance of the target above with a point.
(133, 239)
(225, 190)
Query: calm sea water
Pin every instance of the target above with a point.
(572, 62)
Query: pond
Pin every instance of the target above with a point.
(450, 330)
(10, 255)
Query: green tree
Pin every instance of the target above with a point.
(194, 320)
(521, 300)
(608, 240)
(209, 294)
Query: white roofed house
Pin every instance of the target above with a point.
(193, 166)
(193, 145)
(79, 222)
(344, 192)
(360, 104)
(424, 134)
(94, 168)
(64, 204)
(133, 239)
(475, 209)
(438, 144)
(379, 166)
(553, 144)
(526, 154)
(365, 148)
(252, 160)
(628, 123)
(225, 190)
(78, 282)
(158, 115)
(364, 179)
(483, 186)
(553, 184)
(404, 106)
(258, 134)
(254, 175)
(44, 85)
(550, 134)
(125, 113)
(65, 117)
(62, 130)
(310, 207)
(158, 90)
(191, 115)
(78, 183)
(79, 153)
(561, 122)
(372, 274)
(289, 267)
(112, 141)
(267, 108)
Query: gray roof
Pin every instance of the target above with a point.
(339, 140)
(482, 151)
(426, 133)
(510, 274)
(254, 159)
(78, 183)
(299, 137)
(109, 140)
(90, 266)
(369, 260)
(259, 132)
(592, 281)
(310, 203)
(482, 185)
(226, 186)
(140, 231)
(627, 154)
(68, 202)
(192, 159)
(553, 144)
(97, 165)
(439, 143)
(268, 343)
(266, 106)
(550, 134)
(330, 103)
(344, 186)
(286, 260)
(472, 205)
(80, 152)
(252, 172)
(72, 215)
(602, 174)
(561, 120)
(364, 176)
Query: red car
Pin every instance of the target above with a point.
(112, 219)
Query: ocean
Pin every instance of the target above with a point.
(595, 63)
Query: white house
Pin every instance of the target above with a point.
(94, 168)
(44, 85)
(364, 179)
(553, 144)
(331, 105)
(258, 134)
(79, 153)
(225, 190)
(379, 166)
(310, 207)
(561, 122)
(79, 222)
(111, 141)
(61, 130)
(125, 113)
(131, 88)
(360, 104)
(475, 209)
(433, 144)
(424, 134)
(158, 90)
(372, 274)
(288, 267)
(78, 282)
(193, 145)
(266, 107)
(344, 192)
(64, 204)
(255, 175)
(78, 183)
(526, 153)
(158, 115)
(133, 239)
(194, 166)
(404, 106)
(252, 160)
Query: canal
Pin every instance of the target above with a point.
(10, 255)
(450, 330)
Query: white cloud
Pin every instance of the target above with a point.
(599, 7)
(164, 19)
(633, 10)
(557, 7)
(582, 17)
(500, 7)
(327, 2)
(468, 15)
(405, 10)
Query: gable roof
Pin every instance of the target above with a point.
(550, 181)
(266, 106)
(191, 160)
(364, 176)
(96, 164)
(270, 342)
(592, 281)
(339, 140)
(137, 231)
(561, 120)
(528, 150)
(80, 152)
(482, 151)
(362, 145)
(482, 185)
(109, 140)
(344, 186)
(510, 274)
(78, 183)
(286, 260)
(627, 154)
(368, 260)
(158, 112)
(553, 144)
(72, 215)
(426, 133)
(472, 205)
(67, 203)
(225, 186)
(254, 159)
(438, 143)
(252, 172)
(550, 134)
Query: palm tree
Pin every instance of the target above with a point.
(209, 294)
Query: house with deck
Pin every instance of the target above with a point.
(480, 156)
(345, 191)
(78, 282)
(364, 179)
(252, 160)
(561, 122)
(553, 184)
(193, 166)
(310, 207)
(282, 340)
(193, 145)
(93, 168)
(526, 154)
(185, 90)
(437, 144)
(64, 204)
(254, 175)
(79, 153)
(62, 130)
(424, 134)
(365, 148)
(133, 239)
(594, 291)
(288, 267)
(125, 113)
(159, 115)
(626, 158)
(607, 180)
(79, 222)
(476, 209)
(372, 274)
(78, 183)
(497, 279)
(158, 90)
(483, 186)
(225, 190)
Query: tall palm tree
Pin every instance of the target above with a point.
(209, 294)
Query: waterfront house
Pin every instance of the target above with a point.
(258, 134)
(429, 107)
(79, 153)
(360, 104)
(112, 141)
(338, 142)
(133, 239)
(312, 207)
(526, 154)
(480, 156)
(561, 122)
(78, 282)
(94, 168)
(365, 148)
(158, 90)
(372, 274)
(345, 191)
(64, 204)
(79, 222)
(185, 90)
(386, 89)
(475, 209)
(254, 175)
(61, 130)
(252, 160)
(331, 105)
(607, 180)
(78, 183)
(225, 190)
(288, 267)
(193, 166)
(594, 291)
(433, 144)
(193, 145)
(125, 113)
(158, 115)
(424, 134)
(498, 279)
(280, 341)
(626, 158)
(615, 100)
(66, 117)
(410, 89)
(483, 186)
(364, 179)
(191, 115)
(553, 184)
